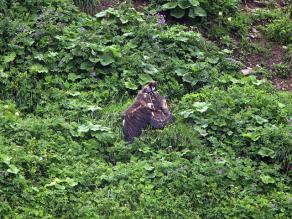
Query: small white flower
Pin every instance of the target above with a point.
(220, 13)
(17, 113)
(229, 19)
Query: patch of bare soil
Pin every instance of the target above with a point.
(275, 54)
(262, 52)
(251, 4)
(140, 4)
(283, 84)
(268, 54)
(103, 5)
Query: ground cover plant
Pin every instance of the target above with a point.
(66, 76)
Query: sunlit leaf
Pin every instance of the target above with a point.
(130, 85)
(212, 60)
(180, 71)
(201, 106)
(101, 14)
(38, 68)
(201, 131)
(144, 78)
(13, 169)
(267, 179)
(10, 57)
(150, 69)
(106, 59)
(266, 152)
(183, 4)
(5, 159)
(187, 113)
(83, 128)
(194, 2)
(251, 135)
(197, 12)
(169, 5)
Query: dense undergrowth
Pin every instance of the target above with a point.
(67, 76)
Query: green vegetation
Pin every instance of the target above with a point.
(195, 8)
(65, 78)
(280, 30)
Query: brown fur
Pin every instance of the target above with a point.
(148, 108)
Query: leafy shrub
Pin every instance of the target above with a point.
(240, 24)
(280, 30)
(65, 79)
(51, 58)
(196, 8)
(282, 70)
(244, 117)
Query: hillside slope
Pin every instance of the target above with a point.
(67, 76)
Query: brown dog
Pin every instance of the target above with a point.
(148, 108)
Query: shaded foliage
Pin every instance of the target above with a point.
(65, 79)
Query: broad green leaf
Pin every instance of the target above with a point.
(266, 152)
(212, 60)
(183, 4)
(74, 94)
(130, 85)
(169, 5)
(180, 72)
(2, 73)
(39, 57)
(187, 113)
(52, 54)
(124, 19)
(201, 106)
(251, 135)
(197, 12)
(200, 12)
(83, 128)
(182, 39)
(281, 105)
(5, 159)
(101, 14)
(94, 59)
(73, 77)
(150, 69)
(144, 78)
(106, 59)
(38, 68)
(177, 12)
(13, 169)
(71, 182)
(188, 78)
(98, 128)
(10, 57)
(115, 50)
(201, 131)
(267, 179)
(260, 120)
(149, 167)
(194, 2)
(86, 65)
(93, 108)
